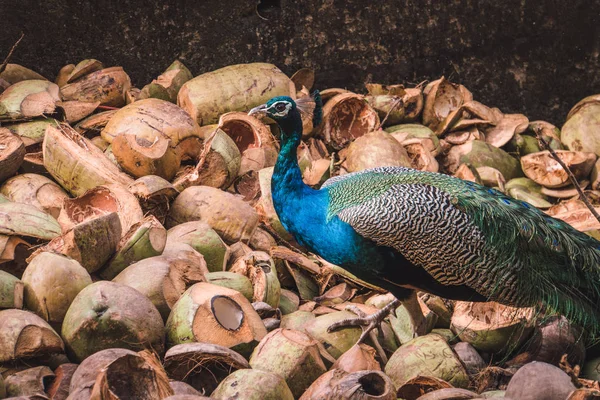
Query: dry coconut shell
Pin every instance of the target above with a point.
(63, 76)
(183, 391)
(296, 320)
(293, 355)
(442, 98)
(338, 342)
(375, 149)
(264, 206)
(107, 314)
(247, 131)
(288, 302)
(233, 88)
(202, 365)
(168, 84)
(479, 154)
(527, 190)
(578, 132)
(46, 272)
(76, 164)
(13, 254)
(202, 238)
(102, 200)
(25, 220)
(32, 132)
(346, 116)
(360, 357)
(491, 327)
(227, 214)
(253, 384)
(259, 267)
(233, 281)
(139, 157)
(25, 335)
(59, 388)
(336, 295)
(145, 239)
(162, 279)
(506, 128)
(30, 382)
(14, 73)
(416, 133)
(76, 110)
(35, 190)
(450, 394)
(419, 387)
(95, 123)
(304, 77)
(154, 195)
(12, 153)
(107, 86)
(538, 380)
(11, 291)
(360, 385)
(83, 68)
(421, 158)
(28, 99)
(428, 355)
(575, 213)
(546, 171)
(214, 314)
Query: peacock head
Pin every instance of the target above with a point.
(278, 108)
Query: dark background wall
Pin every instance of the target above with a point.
(538, 57)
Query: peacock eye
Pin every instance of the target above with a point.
(280, 107)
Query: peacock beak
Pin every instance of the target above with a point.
(258, 111)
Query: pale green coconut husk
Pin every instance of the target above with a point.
(36, 190)
(478, 154)
(233, 281)
(16, 73)
(376, 149)
(253, 385)
(32, 132)
(28, 99)
(26, 220)
(202, 238)
(580, 132)
(11, 291)
(297, 320)
(265, 207)
(336, 342)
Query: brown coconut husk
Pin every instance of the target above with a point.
(575, 213)
(59, 388)
(255, 384)
(36, 190)
(107, 86)
(154, 195)
(30, 382)
(12, 154)
(546, 171)
(336, 295)
(76, 110)
(13, 254)
(505, 129)
(27, 99)
(11, 291)
(84, 67)
(246, 131)
(260, 269)
(360, 385)
(25, 220)
(420, 386)
(95, 123)
(346, 116)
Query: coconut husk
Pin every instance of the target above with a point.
(30, 382)
(145, 239)
(546, 171)
(256, 158)
(441, 99)
(296, 320)
(233, 281)
(411, 319)
(479, 154)
(47, 271)
(346, 117)
(183, 391)
(32, 132)
(336, 295)
(304, 77)
(457, 138)
(360, 385)
(26, 220)
(76, 110)
(59, 388)
(527, 190)
(260, 269)
(228, 215)
(25, 335)
(13, 253)
(491, 327)
(152, 90)
(12, 154)
(154, 195)
(441, 307)
(237, 250)
(449, 394)
(94, 124)
(255, 385)
(505, 129)
(107, 86)
(470, 358)
(139, 157)
(422, 386)
(168, 84)
(288, 302)
(14, 73)
(76, 164)
(577, 134)
(427, 355)
(421, 158)
(84, 67)
(339, 341)
(28, 99)
(202, 365)
(415, 133)
(584, 394)
(539, 380)
(359, 357)
(566, 192)
(233, 88)
(214, 314)
(63, 75)
(202, 238)
(11, 291)
(261, 240)
(35, 190)
(106, 315)
(264, 206)
(248, 186)
(575, 213)
(246, 131)
(162, 279)
(375, 149)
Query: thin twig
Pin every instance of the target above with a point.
(5, 62)
(584, 198)
(395, 105)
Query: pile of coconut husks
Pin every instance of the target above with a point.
(141, 256)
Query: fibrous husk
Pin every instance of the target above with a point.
(297, 320)
(259, 267)
(346, 117)
(293, 355)
(32, 132)
(565, 192)
(304, 77)
(94, 124)
(33, 163)
(579, 132)
(11, 291)
(45, 273)
(407, 324)
(422, 386)
(25, 335)
(375, 149)
(35, 190)
(442, 98)
(13, 254)
(26, 220)
(184, 391)
(84, 67)
(450, 394)
(247, 131)
(12, 153)
(337, 342)
(527, 190)
(63, 75)
(546, 171)
(107, 86)
(28, 99)
(288, 302)
(575, 213)
(168, 83)
(413, 133)
(202, 365)
(584, 394)
(478, 154)
(16, 73)
(233, 88)
(233, 281)
(428, 355)
(154, 195)
(253, 384)
(336, 295)
(550, 133)
(76, 164)
(257, 158)
(421, 158)
(106, 315)
(264, 206)
(214, 314)
(59, 388)
(76, 110)
(361, 385)
(398, 104)
(359, 357)
(227, 214)
(145, 239)
(441, 307)
(162, 279)
(491, 327)
(30, 382)
(139, 157)
(202, 238)
(539, 380)
(505, 129)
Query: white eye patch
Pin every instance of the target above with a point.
(274, 109)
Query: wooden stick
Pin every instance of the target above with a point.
(584, 198)
(5, 62)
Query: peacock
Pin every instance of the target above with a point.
(407, 230)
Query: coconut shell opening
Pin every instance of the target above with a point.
(227, 312)
(373, 384)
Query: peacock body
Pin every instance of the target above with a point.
(404, 229)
